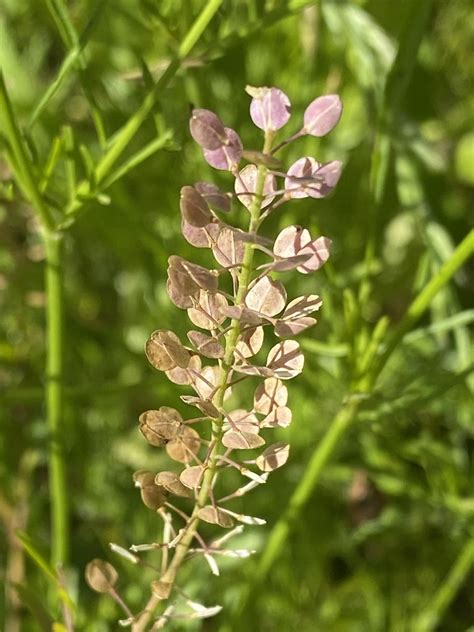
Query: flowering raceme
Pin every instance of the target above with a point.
(230, 332)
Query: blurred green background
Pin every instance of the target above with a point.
(394, 509)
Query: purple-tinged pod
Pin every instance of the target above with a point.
(217, 199)
(270, 108)
(207, 129)
(322, 115)
(194, 208)
(227, 156)
(308, 178)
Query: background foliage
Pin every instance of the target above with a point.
(385, 541)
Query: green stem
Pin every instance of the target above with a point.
(396, 86)
(54, 401)
(217, 426)
(27, 178)
(432, 613)
(128, 131)
(463, 252)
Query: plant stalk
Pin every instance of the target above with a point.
(54, 400)
(210, 474)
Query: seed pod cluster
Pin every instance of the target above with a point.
(248, 334)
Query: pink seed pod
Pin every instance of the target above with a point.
(270, 108)
(322, 115)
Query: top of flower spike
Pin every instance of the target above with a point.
(270, 108)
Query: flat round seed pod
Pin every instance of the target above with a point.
(301, 307)
(209, 310)
(170, 481)
(204, 405)
(279, 417)
(192, 476)
(227, 249)
(185, 446)
(285, 329)
(242, 420)
(217, 199)
(215, 515)
(228, 156)
(200, 237)
(238, 440)
(206, 345)
(165, 351)
(101, 576)
(246, 184)
(185, 376)
(273, 457)
(250, 342)
(322, 115)
(285, 359)
(266, 296)
(153, 496)
(194, 208)
(160, 426)
(207, 129)
(270, 394)
(206, 387)
(143, 477)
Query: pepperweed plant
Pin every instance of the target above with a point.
(232, 307)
